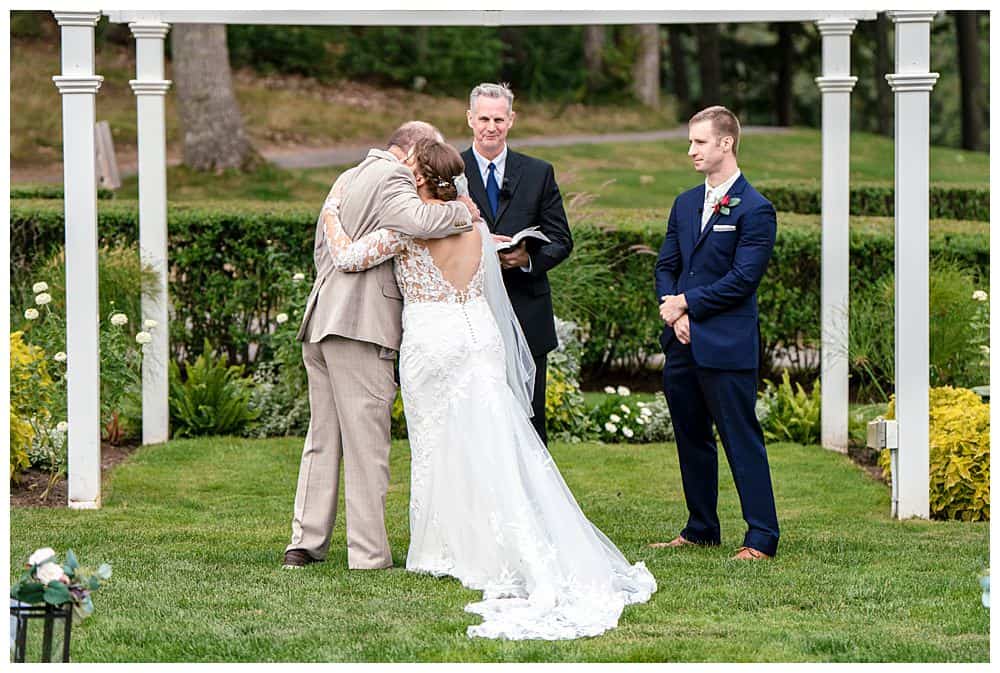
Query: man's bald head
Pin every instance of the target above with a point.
(411, 133)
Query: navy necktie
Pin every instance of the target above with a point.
(493, 191)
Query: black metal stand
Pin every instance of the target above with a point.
(49, 614)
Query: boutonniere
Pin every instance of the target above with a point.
(724, 204)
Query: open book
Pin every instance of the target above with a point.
(530, 232)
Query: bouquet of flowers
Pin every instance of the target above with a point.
(46, 581)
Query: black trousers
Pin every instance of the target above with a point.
(538, 398)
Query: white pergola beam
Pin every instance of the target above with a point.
(481, 17)
(78, 86)
(835, 84)
(150, 89)
(912, 83)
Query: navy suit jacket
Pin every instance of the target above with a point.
(529, 197)
(718, 271)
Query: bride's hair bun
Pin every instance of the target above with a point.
(439, 163)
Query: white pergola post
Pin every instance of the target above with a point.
(912, 83)
(78, 86)
(150, 89)
(836, 85)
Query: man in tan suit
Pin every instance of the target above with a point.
(350, 335)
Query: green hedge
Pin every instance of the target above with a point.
(228, 262)
(946, 201)
(50, 192)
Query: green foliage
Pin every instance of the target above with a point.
(957, 202)
(959, 329)
(397, 428)
(959, 454)
(790, 415)
(565, 410)
(213, 400)
(302, 50)
(30, 399)
(620, 418)
(50, 191)
(230, 264)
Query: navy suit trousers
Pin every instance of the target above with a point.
(698, 398)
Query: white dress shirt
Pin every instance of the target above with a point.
(714, 194)
(499, 163)
(499, 168)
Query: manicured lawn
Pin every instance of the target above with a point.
(195, 529)
(612, 173)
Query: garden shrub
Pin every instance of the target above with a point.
(235, 259)
(30, 400)
(959, 454)
(790, 414)
(565, 410)
(213, 400)
(951, 202)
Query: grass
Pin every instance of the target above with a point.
(612, 173)
(195, 528)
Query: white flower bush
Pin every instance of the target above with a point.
(62, 426)
(980, 295)
(635, 422)
(298, 277)
(281, 318)
(59, 357)
(40, 287)
(119, 319)
(31, 314)
(43, 299)
(143, 338)
(610, 390)
(623, 391)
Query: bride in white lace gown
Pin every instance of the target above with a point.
(487, 503)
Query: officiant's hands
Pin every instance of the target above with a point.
(515, 257)
(673, 307)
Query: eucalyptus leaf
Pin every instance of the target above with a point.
(29, 592)
(71, 563)
(57, 593)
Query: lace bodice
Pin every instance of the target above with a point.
(419, 278)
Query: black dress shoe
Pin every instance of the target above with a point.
(297, 558)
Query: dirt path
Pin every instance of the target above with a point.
(342, 155)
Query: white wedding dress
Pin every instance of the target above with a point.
(487, 503)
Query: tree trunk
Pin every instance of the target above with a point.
(709, 65)
(646, 69)
(214, 138)
(593, 55)
(786, 72)
(678, 70)
(970, 76)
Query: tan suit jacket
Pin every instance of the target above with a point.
(380, 192)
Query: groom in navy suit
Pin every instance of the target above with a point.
(719, 239)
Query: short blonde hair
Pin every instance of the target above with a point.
(724, 123)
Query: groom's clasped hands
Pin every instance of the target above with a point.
(673, 310)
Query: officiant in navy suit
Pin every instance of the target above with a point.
(513, 192)
(718, 242)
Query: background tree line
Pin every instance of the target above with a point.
(764, 72)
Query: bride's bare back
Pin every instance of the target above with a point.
(456, 257)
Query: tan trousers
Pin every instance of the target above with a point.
(351, 391)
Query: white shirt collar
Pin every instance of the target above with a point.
(713, 194)
(500, 164)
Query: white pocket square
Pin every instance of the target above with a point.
(724, 227)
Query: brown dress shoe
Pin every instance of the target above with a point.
(749, 554)
(297, 558)
(679, 541)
